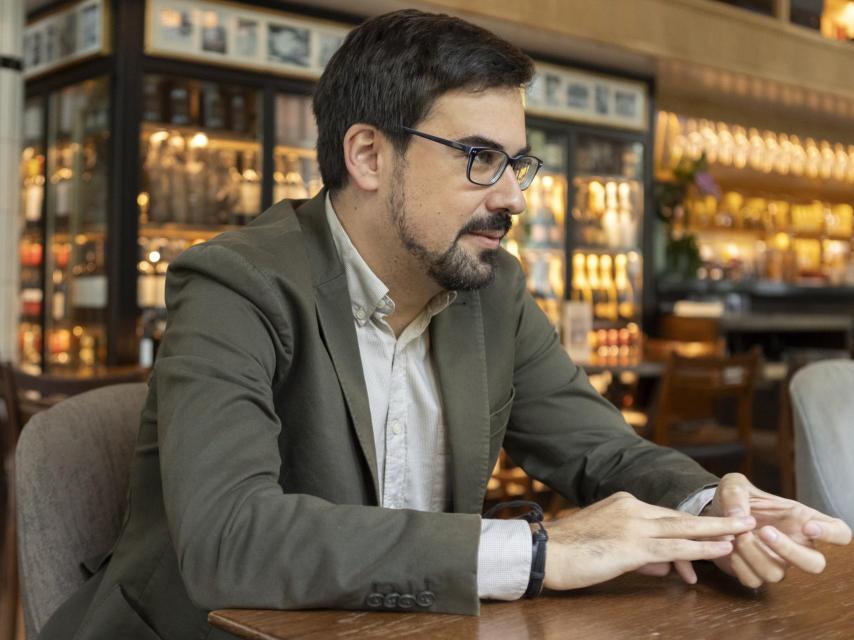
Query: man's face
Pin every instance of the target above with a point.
(449, 225)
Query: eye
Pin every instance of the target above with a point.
(488, 158)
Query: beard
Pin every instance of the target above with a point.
(453, 269)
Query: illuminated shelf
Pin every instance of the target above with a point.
(282, 150)
(183, 231)
(217, 138)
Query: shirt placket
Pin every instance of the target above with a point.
(394, 495)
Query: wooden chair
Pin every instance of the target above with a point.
(660, 349)
(692, 393)
(672, 327)
(23, 396)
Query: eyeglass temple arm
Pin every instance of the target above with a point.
(447, 143)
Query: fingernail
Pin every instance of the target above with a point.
(812, 529)
(770, 534)
(735, 512)
(723, 546)
(749, 521)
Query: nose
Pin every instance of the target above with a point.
(505, 195)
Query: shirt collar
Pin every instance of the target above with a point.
(368, 294)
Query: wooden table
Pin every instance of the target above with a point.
(632, 606)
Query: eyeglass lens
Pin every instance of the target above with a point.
(488, 165)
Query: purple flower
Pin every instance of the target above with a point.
(706, 184)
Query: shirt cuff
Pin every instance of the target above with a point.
(503, 559)
(697, 501)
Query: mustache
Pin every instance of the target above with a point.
(500, 222)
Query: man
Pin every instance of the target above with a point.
(336, 381)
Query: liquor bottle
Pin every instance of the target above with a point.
(59, 297)
(250, 188)
(596, 293)
(611, 227)
(541, 223)
(89, 285)
(145, 276)
(63, 186)
(626, 218)
(580, 285)
(596, 199)
(279, 186)
(33, 188)
(609, 291)
(625, 292)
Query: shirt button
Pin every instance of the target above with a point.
(395, 428)
(360, 313)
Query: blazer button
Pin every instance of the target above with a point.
(425, 599)
(375, 600)
(406, 601)
(390, 600)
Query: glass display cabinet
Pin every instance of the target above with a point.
(64, 178)
(581, 235)
(31, 241)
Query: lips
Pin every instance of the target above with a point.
(493, 235)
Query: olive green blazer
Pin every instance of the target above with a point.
(254, 480)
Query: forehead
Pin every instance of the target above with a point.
(497, 114)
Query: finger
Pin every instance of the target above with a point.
(725, 565)
(804, 558)
(832, 530)
(741, 570)
(686, 526)
(733, 494)
(686, 571)
(766, 568)
(658, 569)
(662, 550)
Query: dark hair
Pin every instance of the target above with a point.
(391, 69)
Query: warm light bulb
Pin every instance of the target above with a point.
(198, 141)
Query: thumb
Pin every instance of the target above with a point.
(734, 495)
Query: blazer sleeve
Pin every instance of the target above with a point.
(565, 434)
(241, 542)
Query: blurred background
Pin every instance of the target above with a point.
(694, 210)
(690, 234)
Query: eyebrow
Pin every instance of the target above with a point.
(481, 141)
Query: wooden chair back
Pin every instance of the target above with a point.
(693, 388)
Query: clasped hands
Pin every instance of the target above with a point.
(748, 533)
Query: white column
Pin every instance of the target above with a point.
(11, 116)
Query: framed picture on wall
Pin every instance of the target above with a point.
(65, 36)
(241, 36)
(288, 44)
(582, 96)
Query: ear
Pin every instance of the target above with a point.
(362, 147)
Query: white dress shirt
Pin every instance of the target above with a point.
(410, 435)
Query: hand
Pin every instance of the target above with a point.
(621, 533)
(785, 534)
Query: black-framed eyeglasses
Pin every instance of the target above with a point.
(486, 165)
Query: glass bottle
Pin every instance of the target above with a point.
(609, 291)
(625, 292)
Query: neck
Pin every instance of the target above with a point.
(371, 230)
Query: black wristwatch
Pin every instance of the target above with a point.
(539, 538)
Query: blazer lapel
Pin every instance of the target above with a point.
(459, 355)
(335, 318)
